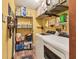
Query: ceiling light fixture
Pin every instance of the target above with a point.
(37, 1)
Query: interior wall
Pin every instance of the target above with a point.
(4, 29)
(12, 5)
(36, 23)
(6, 42)
(46, 23)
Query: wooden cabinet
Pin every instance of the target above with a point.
(42, 8)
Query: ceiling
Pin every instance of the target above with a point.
(34, 4)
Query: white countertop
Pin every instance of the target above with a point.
(60, 43)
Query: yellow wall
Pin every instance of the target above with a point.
(12, 5)
(36, 23)
(6, 42)
(4, 28)
(46, 23)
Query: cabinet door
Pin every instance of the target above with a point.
(42, 8)
(61, 1)
(54, 2)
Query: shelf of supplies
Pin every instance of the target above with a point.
(28, 44)
(63, 23)
(24, 26)
(24, 17)
(53, 11)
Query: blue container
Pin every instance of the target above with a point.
(19, 47)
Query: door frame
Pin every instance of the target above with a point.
(72, 29)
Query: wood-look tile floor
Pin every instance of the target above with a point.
(20, 54)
